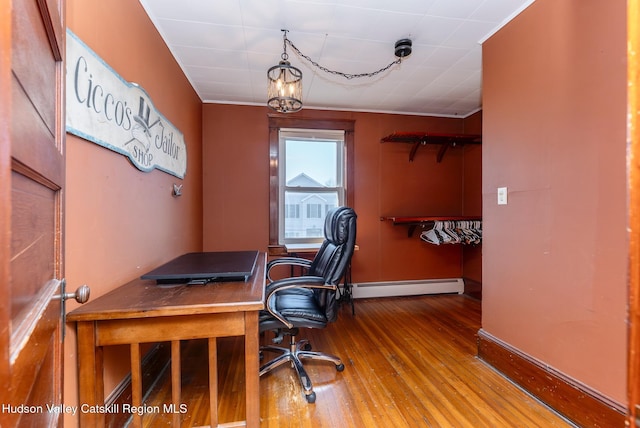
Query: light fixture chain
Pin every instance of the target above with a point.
(284, 55)
(339, 73)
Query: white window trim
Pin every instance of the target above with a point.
(311, 135)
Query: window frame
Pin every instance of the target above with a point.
(278, 122)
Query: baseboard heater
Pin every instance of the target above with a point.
(407, 288)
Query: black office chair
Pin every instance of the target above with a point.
(308, 301)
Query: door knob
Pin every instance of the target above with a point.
(81, 295)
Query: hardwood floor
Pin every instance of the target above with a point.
(410, 362)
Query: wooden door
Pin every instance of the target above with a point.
(633, 61)
(31, 210)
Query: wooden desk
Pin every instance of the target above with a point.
(143, 312)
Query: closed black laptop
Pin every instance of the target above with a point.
(200, 268)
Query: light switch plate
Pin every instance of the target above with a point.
(502, 196)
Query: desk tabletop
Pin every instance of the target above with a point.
(144, 298)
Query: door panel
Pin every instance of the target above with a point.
(31, 221)
(36, 365)
(31, 47)
(36, 148)
(33, 229)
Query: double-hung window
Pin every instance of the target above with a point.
(311, 172)
(311, 181)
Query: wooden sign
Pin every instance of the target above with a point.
(104, 108)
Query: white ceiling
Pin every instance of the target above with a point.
(225, 48)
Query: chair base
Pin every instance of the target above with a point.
(296, 352)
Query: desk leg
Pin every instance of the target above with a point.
(252, 368)
(90, 374)
(176, 380)
(213, 381)
(136, 383)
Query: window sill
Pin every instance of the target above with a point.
(302, 248)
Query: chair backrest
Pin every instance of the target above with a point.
(334, 255)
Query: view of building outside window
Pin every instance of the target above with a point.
(313, 183)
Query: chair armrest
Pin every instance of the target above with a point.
(273, 288)
(296, 282)
(287, 261)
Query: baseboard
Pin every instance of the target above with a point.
(407, 288)
(571, 399)
(154, 363)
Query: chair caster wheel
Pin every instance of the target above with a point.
(340, 367)
(311, 398)
(307, 347)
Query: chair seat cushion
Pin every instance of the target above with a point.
(299, 303)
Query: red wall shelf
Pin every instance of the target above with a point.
(416, 221)
(423, 138)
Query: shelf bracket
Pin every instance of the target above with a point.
(442, 151)
(414, 149)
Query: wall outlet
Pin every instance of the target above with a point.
(502, 196)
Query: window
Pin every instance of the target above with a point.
(310, 173)
(311, 178)
(314, 211)
(292, 211)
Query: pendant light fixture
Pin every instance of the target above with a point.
(284, 84)
(284, 89)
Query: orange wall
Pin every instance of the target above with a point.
(236, 189)
(555, 257)
(121, 222)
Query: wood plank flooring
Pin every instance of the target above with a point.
(410, 362)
